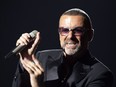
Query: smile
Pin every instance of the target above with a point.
(71, 45)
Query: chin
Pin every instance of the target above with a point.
(71, 51)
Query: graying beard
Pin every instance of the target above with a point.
(70, 52)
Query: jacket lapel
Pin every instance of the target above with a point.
(52, 67)
(79, 72)
(81, 68)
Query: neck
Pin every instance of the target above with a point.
(72, 59)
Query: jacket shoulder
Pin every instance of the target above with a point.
(49, 52)
(49, 55)
(100, 71)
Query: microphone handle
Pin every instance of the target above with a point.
(20, 47)
(15, 51)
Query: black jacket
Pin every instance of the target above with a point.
(86, 72)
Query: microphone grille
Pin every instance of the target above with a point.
(33, 33)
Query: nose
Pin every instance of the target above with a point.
(70, 35)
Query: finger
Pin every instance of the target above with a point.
(31, 67)
(34, 72)
(37, 38)
(28, 69)
(26, 36)
(19, 42)
(24, 39)
(36, 42)
(29, 64)
(25, 63)
(37, 63)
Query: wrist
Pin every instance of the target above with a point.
(34, 81)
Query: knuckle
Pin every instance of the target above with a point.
(24, 34)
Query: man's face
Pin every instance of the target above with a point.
(71, 42)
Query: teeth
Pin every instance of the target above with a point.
(70, 43)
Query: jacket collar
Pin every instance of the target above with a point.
(79, 71)
(52, 67)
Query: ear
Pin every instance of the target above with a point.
(90, 35)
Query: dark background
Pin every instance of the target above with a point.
(19, 16)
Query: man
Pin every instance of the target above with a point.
(71, 66)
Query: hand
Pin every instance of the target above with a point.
(31, 46)
(34, 69)
(27, 57)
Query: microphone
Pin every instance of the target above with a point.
(20, 47)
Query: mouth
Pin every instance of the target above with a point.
(71, 45)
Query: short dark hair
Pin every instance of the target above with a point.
(77, 11)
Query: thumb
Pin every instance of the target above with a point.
(36, 42)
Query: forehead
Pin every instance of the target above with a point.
(71, 21)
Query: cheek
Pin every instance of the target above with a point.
(79, 41)
(78, 38)
(61, 39)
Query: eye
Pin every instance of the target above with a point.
(65, 30)
(78, 30)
